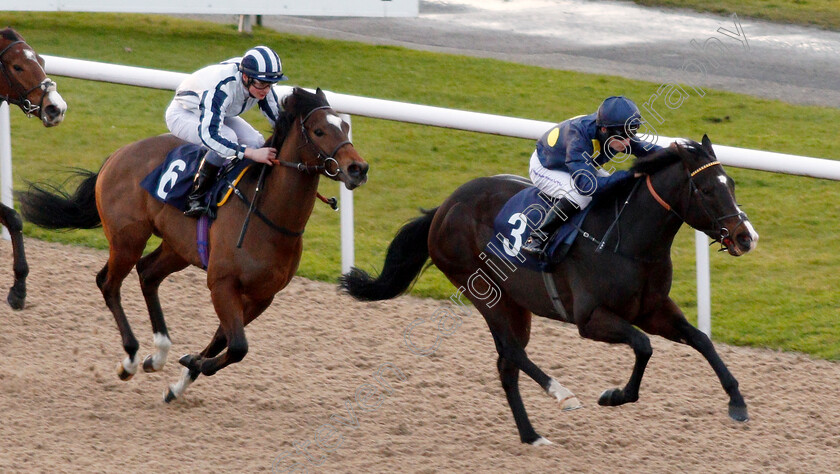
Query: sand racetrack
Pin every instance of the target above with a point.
(313, 351)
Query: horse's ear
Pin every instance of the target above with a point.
(707, 146)
(320, 93)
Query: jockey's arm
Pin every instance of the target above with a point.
(584, 171)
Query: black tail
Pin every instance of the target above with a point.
(53, 208)
(406, 255)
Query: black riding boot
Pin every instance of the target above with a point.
(535, 246)
(204, 180)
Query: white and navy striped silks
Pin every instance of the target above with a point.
(216, 92)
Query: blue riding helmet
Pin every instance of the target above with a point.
(263, 64)
(618, 112)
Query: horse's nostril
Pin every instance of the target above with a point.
(744, 240)
(356, 170)
(52, 111)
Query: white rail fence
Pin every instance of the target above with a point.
(438, 117)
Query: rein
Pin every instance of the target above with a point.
(615, 222)
(21, 101)
(601, 244)
(723, 231)
(323, 157)
(299, 166)
(253, 209)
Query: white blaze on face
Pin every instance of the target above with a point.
(55, 99)
(723, 180)
(751, 230)
(335, 120)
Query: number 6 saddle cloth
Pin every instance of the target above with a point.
(172, 181)
(518, 217)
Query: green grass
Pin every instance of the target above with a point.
(822, 13)
(783, 295)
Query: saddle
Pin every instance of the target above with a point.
(172, 181)
(513, 224)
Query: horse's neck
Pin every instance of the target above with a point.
(5, 84)
(646, 228)
(292, 192)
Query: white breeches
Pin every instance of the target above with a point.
(184, 124)
(556, 183)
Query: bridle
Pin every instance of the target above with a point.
(46, 86)
(323, 158)
(723, 233)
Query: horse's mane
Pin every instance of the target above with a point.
(10, 34)
(299, 103)
(655, 161)
(650, 164)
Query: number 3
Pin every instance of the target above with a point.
(516, 234)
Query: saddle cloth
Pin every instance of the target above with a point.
(513, 225)
(172, 181)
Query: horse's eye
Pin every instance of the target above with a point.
(319, 132)
(17, 68)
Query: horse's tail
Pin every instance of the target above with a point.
(53, 208)
(406, 255)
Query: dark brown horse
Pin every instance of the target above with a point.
(605, 293)
(24, 83)
(242, 281)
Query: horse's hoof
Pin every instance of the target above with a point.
(611, 397)
(168, 395)
(541, 442)
(738, 413)
(189, 361)
(566, 399)
(123, 374)
(15, 301)
(569, 404)
(148, 364)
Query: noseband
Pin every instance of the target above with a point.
(22, 101)
(723, 232)
(323, 158)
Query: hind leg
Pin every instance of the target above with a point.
(123, 255)
(509, 375)
(510, 325)
(153, 269)
(605, 326)
(17, 293)
(670, 323)
(217, 345)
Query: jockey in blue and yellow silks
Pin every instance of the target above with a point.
(568, 163)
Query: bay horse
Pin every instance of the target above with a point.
(24, 83)
(242, 281)
(604, 292)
